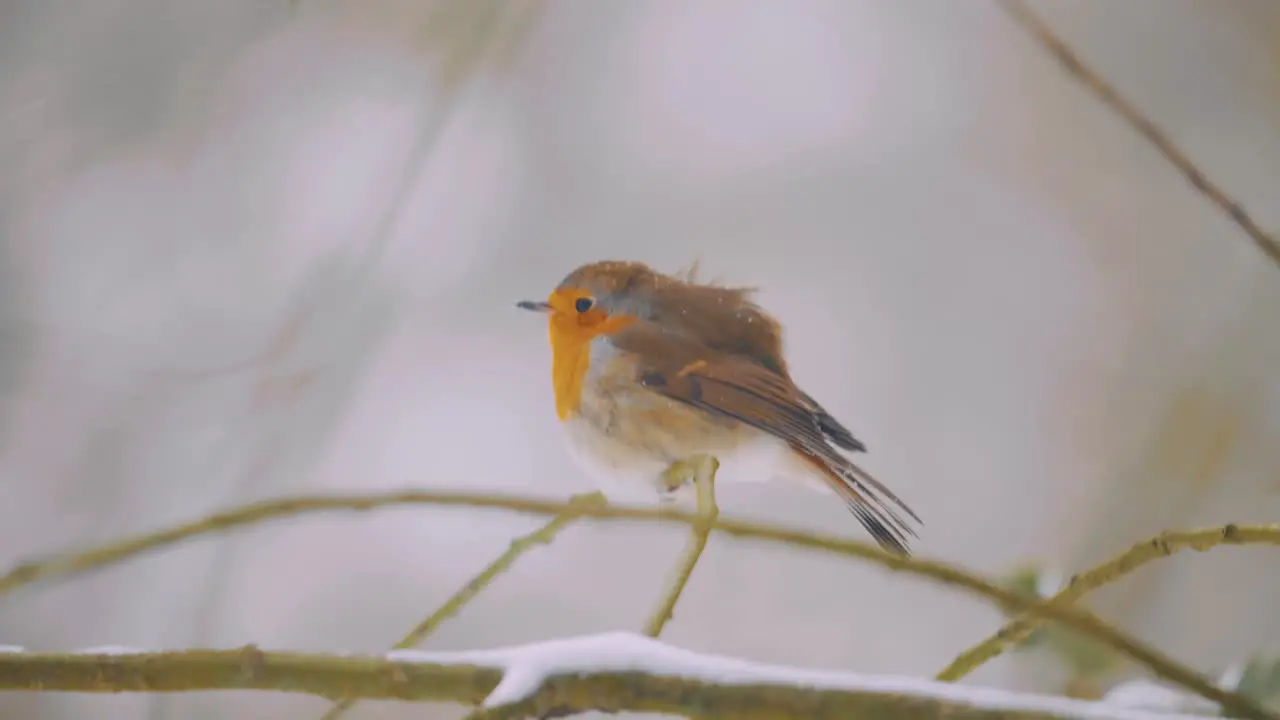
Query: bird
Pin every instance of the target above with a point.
(651, 369)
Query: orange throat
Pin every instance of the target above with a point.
(571, 357)
(570, 360)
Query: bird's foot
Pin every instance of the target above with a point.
(677, 475)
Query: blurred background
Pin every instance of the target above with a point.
(252, 249)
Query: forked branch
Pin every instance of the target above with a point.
(477, 584)
(1078, 586)
(1083, 622)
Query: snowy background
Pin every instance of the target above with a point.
(248, 250)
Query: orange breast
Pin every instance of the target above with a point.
(570, 360)
(571, 355)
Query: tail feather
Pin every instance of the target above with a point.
(875, 507)
(885, 535)
(866, 478)
(838, 433)
(832, 428)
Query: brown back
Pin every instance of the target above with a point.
(721, 318)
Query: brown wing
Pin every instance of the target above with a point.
(680, 368)
(725, 319)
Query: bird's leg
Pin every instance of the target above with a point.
(704, 469)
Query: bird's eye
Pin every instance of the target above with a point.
(583, 304)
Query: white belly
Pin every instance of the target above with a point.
(626, 475)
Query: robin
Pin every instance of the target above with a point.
(651, 370)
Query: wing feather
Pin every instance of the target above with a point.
(678, 367)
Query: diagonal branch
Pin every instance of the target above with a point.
(1078, 586)
(1081, 621)
(477, 584)
(611, 672)
(1058, 48)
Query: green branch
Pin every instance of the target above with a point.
(251, 514)
(477, 584)
(1083, 622)
(1078, 586)
(744, 691)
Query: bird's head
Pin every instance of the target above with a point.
(598, 298)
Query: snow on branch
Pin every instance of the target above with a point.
(1078, 620)
(609, 672)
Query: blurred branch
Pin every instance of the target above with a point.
(1079, 620)
(466, 593)
(1078, 586)
(463, 37)
(1058, 48)
(458, 56)
(559, 676)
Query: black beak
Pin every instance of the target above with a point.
(534, 306)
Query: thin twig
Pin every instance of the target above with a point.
(1078, 586)
(1081, 621)
(1056, 46)
(708, 511)
(542, 536)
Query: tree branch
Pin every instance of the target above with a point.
(1078, 586)
(251, 514)
(1079, 620)
(611, 672)
(466, 593)
(1104, 91)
